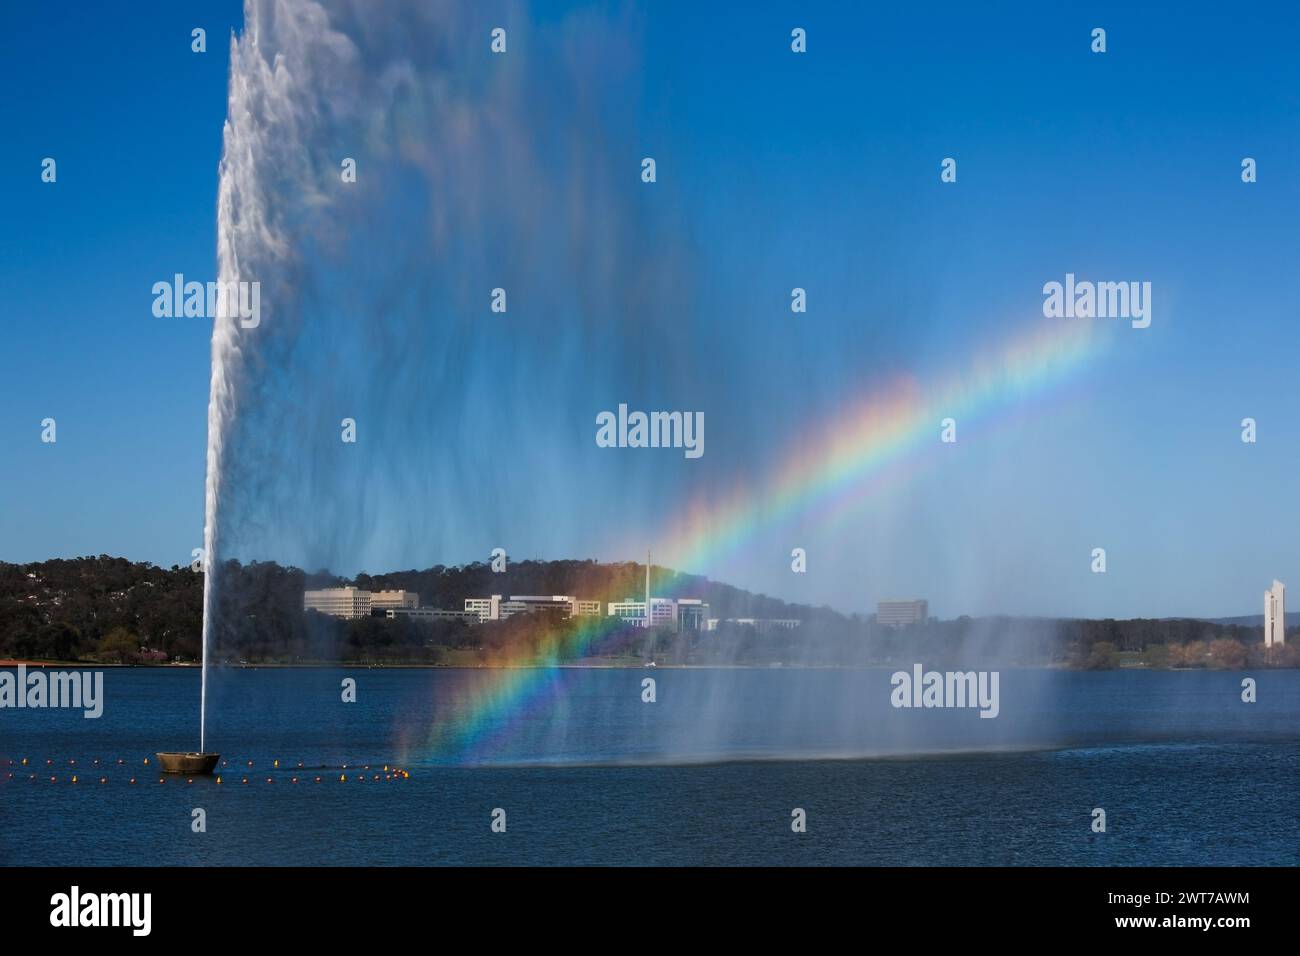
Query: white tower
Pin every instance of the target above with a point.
(1275, 614)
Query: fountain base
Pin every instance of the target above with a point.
(192, 763)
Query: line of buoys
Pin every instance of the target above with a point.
(390, 772)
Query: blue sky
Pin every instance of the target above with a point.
(775, 170)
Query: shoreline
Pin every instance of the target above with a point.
(334, 665)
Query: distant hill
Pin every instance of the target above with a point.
(447, 587)
(1253, 620)
(113, 610)
(65, 608)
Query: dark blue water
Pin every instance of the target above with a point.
(708, 774)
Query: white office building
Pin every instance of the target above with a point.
(766, 624)
(393, 599)
(431, 614)
(663, 611)
(902, 613)
(487, 609)
(692, 615)
(561, 604)
(761, 624)
(351, 603)
(496, 608)
(1275, 614)
(348, 603)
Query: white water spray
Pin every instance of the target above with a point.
(263, 137)
(472, 171)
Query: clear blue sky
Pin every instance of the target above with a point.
(820, 171)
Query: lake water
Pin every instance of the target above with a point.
(588, 772)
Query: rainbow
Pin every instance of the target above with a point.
(884, 435)
(881, 436)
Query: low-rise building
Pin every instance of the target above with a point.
(761, 624)
(902, 613)
(393, 599)
(765, 624)
(497, 608)
(692, 615)
(663, 611)
(431, 614)
(558, 604)
(681, 614)
(487, 609)
(351, 603)
(348, 603)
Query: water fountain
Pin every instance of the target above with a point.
(190, 763)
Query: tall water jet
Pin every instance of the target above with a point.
(382, 172)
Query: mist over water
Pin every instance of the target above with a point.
(475, 172)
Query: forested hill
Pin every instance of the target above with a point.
(113, 610)
(447, 587)
(66, 608)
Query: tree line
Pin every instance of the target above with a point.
(113, 610)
